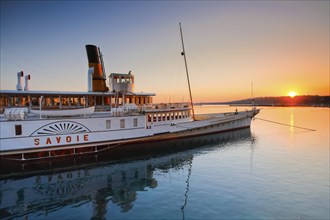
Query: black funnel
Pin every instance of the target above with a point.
(92, 54)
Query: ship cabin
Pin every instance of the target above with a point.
(120, 100)
(103, 101)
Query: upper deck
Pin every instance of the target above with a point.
(112, 100)
(63, 99)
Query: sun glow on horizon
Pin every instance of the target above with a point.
(292, 94)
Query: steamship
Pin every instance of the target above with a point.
(48, 124)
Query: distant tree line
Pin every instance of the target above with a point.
(307, 100)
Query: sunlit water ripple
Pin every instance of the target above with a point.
(267, 172)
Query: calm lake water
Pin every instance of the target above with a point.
(270, 171)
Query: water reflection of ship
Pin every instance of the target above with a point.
(118, 182)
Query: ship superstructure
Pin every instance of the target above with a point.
(46, 124)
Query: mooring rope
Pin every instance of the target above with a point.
(293, 126)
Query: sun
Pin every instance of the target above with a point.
(292, 94)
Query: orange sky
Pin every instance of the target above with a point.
(280, 46)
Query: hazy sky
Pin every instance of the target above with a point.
(281, 46)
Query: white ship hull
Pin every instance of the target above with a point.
(118, 116)
(50, 135)
(85, 181)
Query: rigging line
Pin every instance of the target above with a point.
(201, 54)
(293, 126)
(216, 74)
(38, 72)
(51, 73)
(175, 67)
(23, 57)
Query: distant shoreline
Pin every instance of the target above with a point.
(258, 105)
(280, 101)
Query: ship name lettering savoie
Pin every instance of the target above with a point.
(61, 140)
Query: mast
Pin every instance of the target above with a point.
(102, 64)
(252, 98)
(185, 62)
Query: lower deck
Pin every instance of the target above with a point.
(57, 145)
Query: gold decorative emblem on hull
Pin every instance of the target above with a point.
(60, 128)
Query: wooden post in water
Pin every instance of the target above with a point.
(185, 62)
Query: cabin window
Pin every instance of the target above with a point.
(135, 122)
(18, 129)
(122, 123)
(108, 124)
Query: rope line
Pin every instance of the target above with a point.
(42, 70)
(275, 122)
